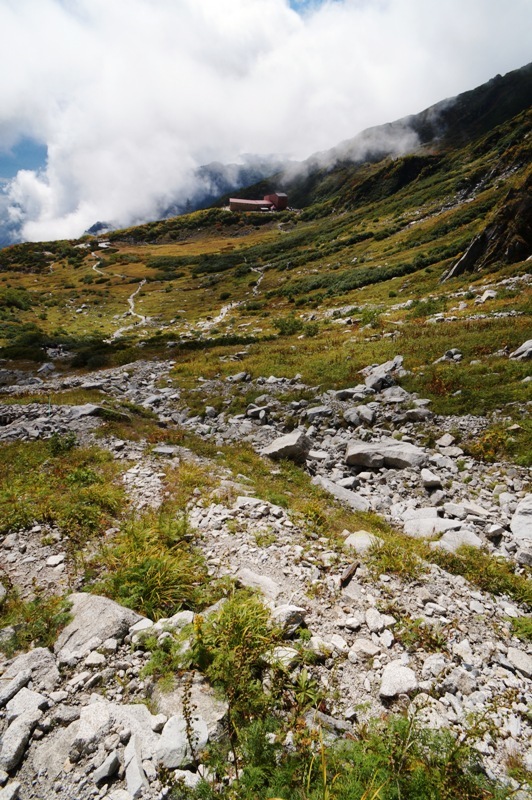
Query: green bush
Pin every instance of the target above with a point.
(152, 568)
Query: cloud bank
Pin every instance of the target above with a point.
(131, 96)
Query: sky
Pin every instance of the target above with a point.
(108, 106)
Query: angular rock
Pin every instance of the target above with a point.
(425, 528)
(351, 417)
(136, 780)
(361, 541)
(173, 750)
(11, 791)
(454, 540)
(15, 739)
(211, 709)
(286, 657)
(521, 524)
(387, 452)
(289, 618)
(13, 687)
(269, 588)
(107, 769)
(24, 702)
(523, 352)
(42, 663)
(95, 619)
(430, 480)
(397, 679)
(294, 446)
(521, 661)
(364, 648)
(352, 499)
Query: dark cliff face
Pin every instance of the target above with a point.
(508, 237)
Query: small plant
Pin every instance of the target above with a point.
(522, 628)
(36, 623)
(417, 633)
(288, 326)
(153, 569)
(62, 444)
(390, 557)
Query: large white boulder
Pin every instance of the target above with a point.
(387, 452)
(521, 524)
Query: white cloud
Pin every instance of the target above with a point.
(131, 95)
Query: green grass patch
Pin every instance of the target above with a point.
(58, 483)
(36, 623)
(153, 568)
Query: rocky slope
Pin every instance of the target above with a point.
(75, 720)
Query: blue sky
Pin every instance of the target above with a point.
(92, 127)
(26, 154)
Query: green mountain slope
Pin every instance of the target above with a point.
(371, 245)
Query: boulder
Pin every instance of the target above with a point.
(454, 540)
(361, 541)
(294, 446)
(15, 739)
(24, 702)
(387, 452)
(521, 524)
(289, 618)
(207, 706)
(174, 750)
(523, 352)
(397, 679)
(521, 661)
(380, 376)
(424, 528)
(13, 686)
(136, 780)
(43, 666)
(269, 588)
(95, 619)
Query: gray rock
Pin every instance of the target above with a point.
(363, 648)
(380, 376)
(361, 541)
(366, 414)
(269, 588)
(15, 739)
(24, 702)
(174, 751)
(351, 417)
(44, 672)
(136, 780)
(107, 769)
(294, 446)
(202, 698)
(95, 619)
(430, 480)
(397, 679)
(523, 352)
(13, 686)
(521, 524)
(286, 657)
(11, 791)
(387, 452)
(289, 618)
(521, 661)
(317, 412)
(424, 528)
(453, 540)
(352, 499)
